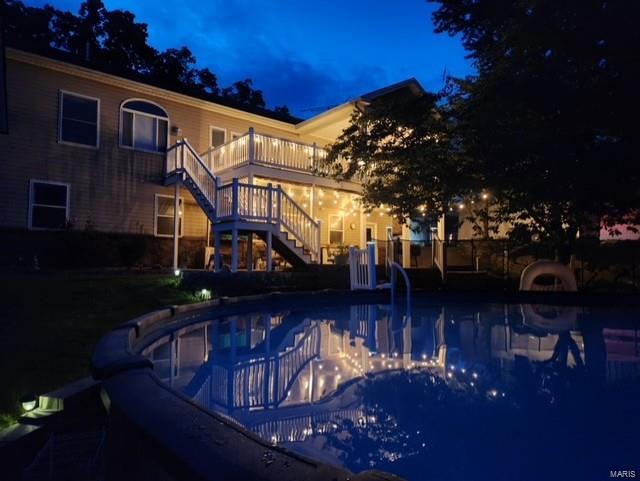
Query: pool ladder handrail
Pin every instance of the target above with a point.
(394, 267)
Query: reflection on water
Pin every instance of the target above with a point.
(473, 392)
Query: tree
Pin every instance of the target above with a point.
(114, 38)
(242, 91)
(401, 148)
(549, 117)
(546, 126)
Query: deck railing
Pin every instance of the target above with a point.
(269, 204)
(261, 149)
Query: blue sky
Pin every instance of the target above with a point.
(307, 55)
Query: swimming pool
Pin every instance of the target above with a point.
(454, 391)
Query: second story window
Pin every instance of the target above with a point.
(79, 119)
(143, 126)
(218, 137)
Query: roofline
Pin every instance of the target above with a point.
(321, 118)
(141, 87)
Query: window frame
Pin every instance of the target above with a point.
(219, 129)
(235, 134)
(61, 94)
(32, 204)
(133, 125)
(330, 229)
(155, 215)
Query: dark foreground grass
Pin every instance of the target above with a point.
(51, 322)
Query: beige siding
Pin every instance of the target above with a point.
(112, 188)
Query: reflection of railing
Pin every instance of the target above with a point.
(295, 429)
(257, 383)
(254, 148)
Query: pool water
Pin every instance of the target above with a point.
(451, 392)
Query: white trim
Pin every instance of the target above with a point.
(155, 215)
(32, 204)
(219, 129)
(61, 94)
(329, 228)
(133, 125)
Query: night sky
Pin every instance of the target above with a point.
(307, 55)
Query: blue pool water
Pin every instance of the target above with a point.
(453, 392)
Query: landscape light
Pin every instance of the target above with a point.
(176, 272)
(29, 402)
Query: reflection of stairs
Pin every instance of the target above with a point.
(263, 210)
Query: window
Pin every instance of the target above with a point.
(218, 137)
(236, 135)
(143, 126)
(336, 229)
(370, 233)
(79, 119)
(48, 204)
(164, 216)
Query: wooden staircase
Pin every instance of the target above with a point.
(236, 207)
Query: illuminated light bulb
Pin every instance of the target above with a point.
(424, 356)
(493, 392)
(319, 202)
(320, 366)
(460, 206)
(472, 384)
(485, 196)
(176, 272)
(449, 374)
(475, 375)
(336, 368)
(463, 370)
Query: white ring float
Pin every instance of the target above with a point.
(547, 268)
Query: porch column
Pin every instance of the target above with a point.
(234, 250)
(269, 245)
(406, 246)
(250, 251)
(176, 224)
(216, 253)
(312, 201)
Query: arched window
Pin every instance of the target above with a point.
(143, 126)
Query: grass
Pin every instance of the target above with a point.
(51, 322)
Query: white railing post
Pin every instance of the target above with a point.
(318, 242)
(182, 156)
(371, 264)
(235, 198)
(314, 157)
(269, 203)
(279, 209)
(252, 145)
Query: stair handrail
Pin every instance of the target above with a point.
(182, 157)
(312, 242)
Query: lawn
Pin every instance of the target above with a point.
(50, 323)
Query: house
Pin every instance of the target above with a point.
(87, 150)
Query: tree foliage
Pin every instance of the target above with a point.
(549, 118)
(114, 38)
(546, 125)
(400, 147)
